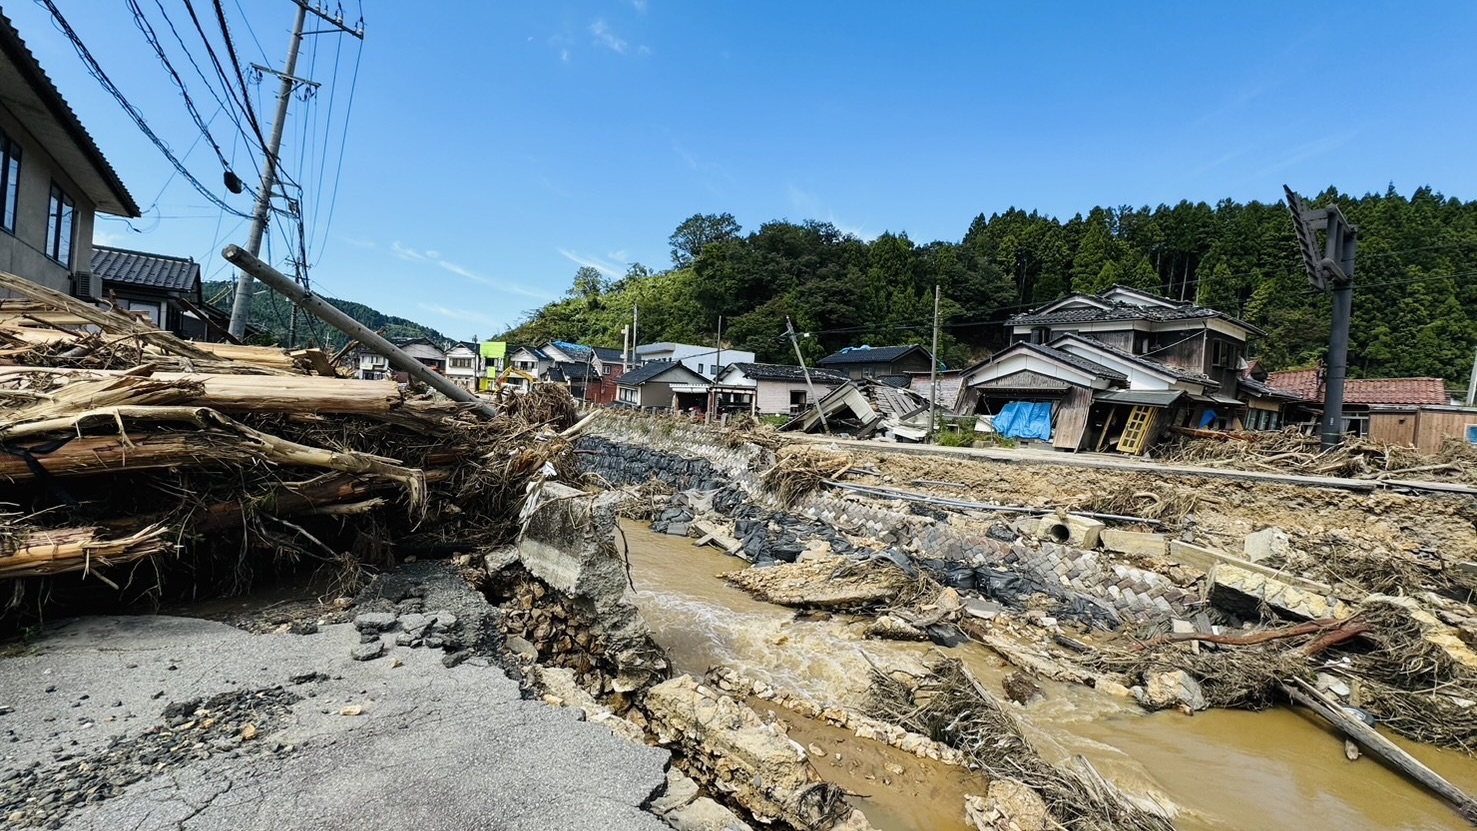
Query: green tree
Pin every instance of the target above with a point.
(698, 232)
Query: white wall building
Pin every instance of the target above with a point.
(704, 360)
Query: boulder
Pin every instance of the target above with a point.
(680, 791)
(1174, 688)
(703, 814)
(1267, 544)
(1007, 805)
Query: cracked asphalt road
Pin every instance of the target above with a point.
(433, 749)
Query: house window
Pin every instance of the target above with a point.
(628, 395)
(461, 363)
(143, 309)
(59, 219)
(1223, 353)
(700, 369)
(10, 180)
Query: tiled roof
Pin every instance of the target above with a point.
(36, 78)
(578, 370)
(1262, 390)
(1140, 360)
(1118, 310)
(1089, 366)
(786, 372)
(136, 268)
(867, 355)
(1305, 384)
(642, 374)
(610, 356)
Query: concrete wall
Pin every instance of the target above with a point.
(23, 252)
(633, 450)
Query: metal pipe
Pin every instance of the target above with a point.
(330, 314)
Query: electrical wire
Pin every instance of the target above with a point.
(153, 38)
(97, 72)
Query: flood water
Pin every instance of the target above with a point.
(1221, 770)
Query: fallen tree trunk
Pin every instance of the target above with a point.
(227, 392)
(1371, 740)
(105, 454)
(41, 553)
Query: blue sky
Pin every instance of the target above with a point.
(494, 147)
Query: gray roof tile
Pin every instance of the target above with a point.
(136, 268)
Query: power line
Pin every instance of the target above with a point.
(343, 142)
(96, 71)
(243, 100)
(149, 34)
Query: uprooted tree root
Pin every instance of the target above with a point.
(1414, 687)
(950, 706)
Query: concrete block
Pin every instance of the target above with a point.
(1243, 591)
(1073, 530)
(1133, 543)
(1266, 544)
(1206, 559)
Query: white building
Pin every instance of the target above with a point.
(771, 389)
(464, 364)
(704, 360)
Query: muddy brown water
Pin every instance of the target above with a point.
(1219, 770)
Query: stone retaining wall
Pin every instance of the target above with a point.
(1089, 583)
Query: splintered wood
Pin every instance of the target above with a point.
(126, 451)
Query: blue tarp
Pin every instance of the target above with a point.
(1025, 420)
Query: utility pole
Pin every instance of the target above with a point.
(933, 367)
(1333, 273)
(259, 218)
(717, 366)
(1472, 383)
(795, 342)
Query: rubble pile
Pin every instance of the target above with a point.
(132, 458)
(1293, 451)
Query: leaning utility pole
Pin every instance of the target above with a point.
(933, 366)
(1472, 383)
(1334, 273)
(242, 305)
(790, 330)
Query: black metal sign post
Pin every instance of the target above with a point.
(1333, 272)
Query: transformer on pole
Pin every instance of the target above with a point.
(1334, 273)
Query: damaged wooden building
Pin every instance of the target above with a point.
(1111, 371)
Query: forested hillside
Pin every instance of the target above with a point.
(1415, 306)
(273, 313)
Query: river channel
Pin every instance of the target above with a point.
(1219, 770)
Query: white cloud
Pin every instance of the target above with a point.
(108, 238)
(435, 255)
(608, 269)
(511, 288)
(619, 256)
(608, 39)
(564, 55)
(462, 315)
(407, 254)
(643, 50)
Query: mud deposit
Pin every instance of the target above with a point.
(1220, 770)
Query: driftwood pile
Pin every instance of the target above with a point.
(135, 465)
(1295, 452)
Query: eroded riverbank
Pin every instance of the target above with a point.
(1224, 770)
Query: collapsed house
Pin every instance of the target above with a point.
(1110, 371)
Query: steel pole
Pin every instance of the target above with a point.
(330, 314)
(242, 306)
(1340, 247)
(933, 368)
